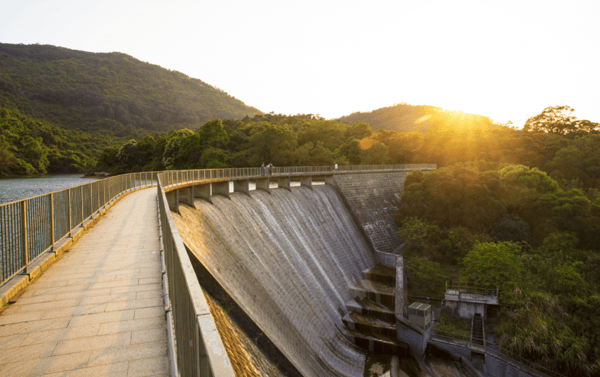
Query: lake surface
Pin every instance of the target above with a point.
(12, 189)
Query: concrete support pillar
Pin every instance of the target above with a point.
(263, 184)
(306, 181)
(202, 192)
(186, 195)
(221, 188)
(242, 185)
(329, 180)
(173, 200)
(284, 182)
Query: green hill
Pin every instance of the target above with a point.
(409, 118)
(29, 146)
(108, 93)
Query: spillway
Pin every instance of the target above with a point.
(288, 259)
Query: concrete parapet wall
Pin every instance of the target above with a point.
(374, 199)
(186, 195)
(202, 191)
(221, 188)
(242, 186)
(263, 184)
(284, 182)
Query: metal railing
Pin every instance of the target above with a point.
(33, 226)
(468, 289)
(174, 177)
(193, 324)
(461, 340)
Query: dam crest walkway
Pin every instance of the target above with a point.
(98, 311)
(125, 294)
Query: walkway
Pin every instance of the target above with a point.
(99, 310)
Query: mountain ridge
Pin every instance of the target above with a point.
(403, 117)
(114, 92)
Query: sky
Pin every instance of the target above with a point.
(504, 59)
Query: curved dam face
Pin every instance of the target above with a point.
(288, 259)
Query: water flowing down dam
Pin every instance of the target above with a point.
(288, 258)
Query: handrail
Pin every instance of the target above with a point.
(33, 226)
(175, 177)
(199, 350)
(189, 311)
(464, 288)
(462, 341)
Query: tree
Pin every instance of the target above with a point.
(578, 161)
(521, 187)
(129, 156)
(491, 264)
(558, 120)
(313, 155)
(213, 134)
(351, 151)
(359, 131)
(330, 134)
(425, 278)
(171, 149)
(375, 155)
(274, 144)
(454, 196)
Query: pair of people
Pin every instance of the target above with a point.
(269, 169)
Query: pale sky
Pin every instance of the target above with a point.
(504, 59)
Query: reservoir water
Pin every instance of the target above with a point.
(12, 189)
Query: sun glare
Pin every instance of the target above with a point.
(422, 119)
(366, 143)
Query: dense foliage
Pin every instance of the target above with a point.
(279, 139)
(107, 93)
(527, 222)
(30, 146)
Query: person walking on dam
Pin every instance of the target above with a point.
(335, 167)
(270, 167)
(262, 168)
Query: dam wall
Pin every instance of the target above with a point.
(374, 199)
(288, 258)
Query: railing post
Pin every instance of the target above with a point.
(69, 203)
(24, 235)
(81, 191)
(52, 219)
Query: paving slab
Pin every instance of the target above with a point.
(99, 310)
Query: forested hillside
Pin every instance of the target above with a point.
(522, 213)
(29, 146)
(107, 93)
(409, 118)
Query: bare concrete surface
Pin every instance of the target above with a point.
(99, 310)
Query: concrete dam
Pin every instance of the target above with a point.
(291, 259)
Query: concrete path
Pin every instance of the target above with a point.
(99, 310)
